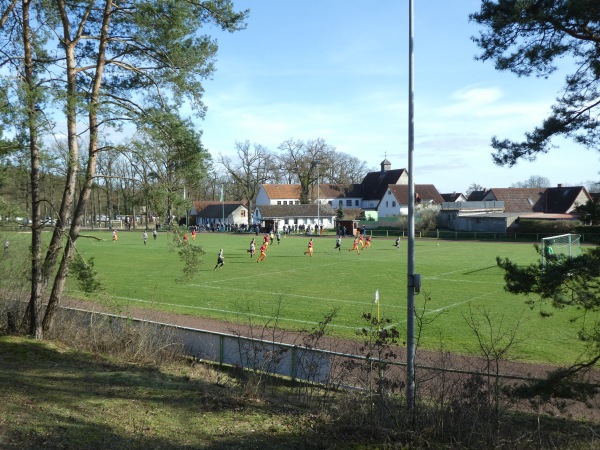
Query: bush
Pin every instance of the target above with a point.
(549, 227)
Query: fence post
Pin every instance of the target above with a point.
(294, 364)
(221, 349)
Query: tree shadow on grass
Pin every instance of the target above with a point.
(55, 398)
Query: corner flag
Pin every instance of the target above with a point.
(376, 299)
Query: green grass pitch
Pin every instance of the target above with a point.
(297, 291)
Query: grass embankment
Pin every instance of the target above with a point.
(53, 397)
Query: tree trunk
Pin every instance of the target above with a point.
(63, 270)
(35, 300)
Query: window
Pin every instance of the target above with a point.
(348, 202)
(389, 192)
(356, 203)
(330, 203)
(285, 202)
(243, 214)
(340, 204)
(279, 202)
(393, 203)
(386, 204)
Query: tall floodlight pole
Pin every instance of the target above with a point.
(222, 208)
(318, 198)
(413, 279)
(185, 206)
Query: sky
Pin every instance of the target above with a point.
(338, 70)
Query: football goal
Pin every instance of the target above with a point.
(564, 244)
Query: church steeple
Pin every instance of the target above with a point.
(385, 164)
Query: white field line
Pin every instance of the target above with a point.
(259, 274)
(454, 280)
(245, 314)
(443, 308)
(276, 293)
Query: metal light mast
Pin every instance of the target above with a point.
(414, 280)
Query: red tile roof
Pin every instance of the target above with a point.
(426, 192)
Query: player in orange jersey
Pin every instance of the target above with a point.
(263, 255)
(355, 246)
(310, 248)
(367, 243)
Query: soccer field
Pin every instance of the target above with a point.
(459, 278)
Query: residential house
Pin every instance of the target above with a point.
(501, 208)
(213, 212)
(327, 194)
(376, 184)
(454, 197)
(395, 200)
(476, 196)
(278, 194)
(299, 217)
(559, 200)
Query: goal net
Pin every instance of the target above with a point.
(564, 244)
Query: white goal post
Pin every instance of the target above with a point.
(116, 224)
(563, 244)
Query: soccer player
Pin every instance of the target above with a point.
(115, 236)
(154, 233)
(194, 234)
(252, 249)
(185, 238)
(266, 241)
(338, 243)
(220, 260)
(360, 241)
(355, 246)
(310, 248)
(549, 250)
(145, 237)
(398, 242)
(263, 255)
(367, 243)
